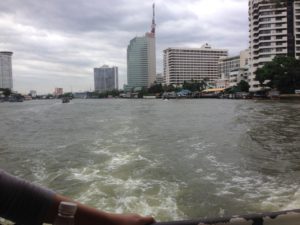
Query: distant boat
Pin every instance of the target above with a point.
(65, 100)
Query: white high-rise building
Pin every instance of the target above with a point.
(106, 78)
(141, 59)
(274, 30)
(6, 80)
(187, 64)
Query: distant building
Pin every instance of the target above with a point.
(236, 76)
(58, 91)
(160, 79)
(106, 78)
(223, 82)
(82, 95)
(233, 69)
(141, 59)
(274, 30)
(33, 93)
(228, 64)
(187, 64)
(6, 80)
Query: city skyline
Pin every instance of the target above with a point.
(56, 44)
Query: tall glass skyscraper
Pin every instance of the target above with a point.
(106, 78)
(6, 80)
(141, 59)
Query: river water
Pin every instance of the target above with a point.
(176, 159)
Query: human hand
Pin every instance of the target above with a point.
(132, 219)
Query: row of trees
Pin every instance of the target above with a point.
(191, 86)
(158, 89)
(242, 86)
(282, 73)
(5, 91)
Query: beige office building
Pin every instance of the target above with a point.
(274, 30)
(233, 69)
(187, 64)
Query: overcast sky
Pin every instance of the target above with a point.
(57, 43)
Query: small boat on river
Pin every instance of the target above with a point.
(65, 100)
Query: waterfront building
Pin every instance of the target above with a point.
(274, 30)
(233, 69)
(106, 78)
(6, 80)
(237, 76)
(192, 64)
(82, 95)
(58, 91)
(223, 82)
(228, 64)
(141, 59)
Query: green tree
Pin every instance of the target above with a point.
(282, 73)
(169, 88)
(243, 86)
(142, 92)
(155, 89)
(192, 85)
(6, 91)
(68, 94)
(113, 92)
(49, 96)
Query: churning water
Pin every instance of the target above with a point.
(177, 159)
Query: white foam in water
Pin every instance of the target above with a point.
(266, 192)
(99, 151)
(38, 169)
(124, 195)
(119, 160)
(85, 174)
(131, 196)
(295, 203)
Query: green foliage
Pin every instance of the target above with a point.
(6, 91)
(49, 96)
(194, 85)
(243, 86)
(169, 88)
(283, 74)
(142, 92)
(68, 94)
(156, 88)
(113, 93)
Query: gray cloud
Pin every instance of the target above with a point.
(59, 42)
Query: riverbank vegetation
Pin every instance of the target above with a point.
(282, 74)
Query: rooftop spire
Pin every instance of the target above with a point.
(153, 20)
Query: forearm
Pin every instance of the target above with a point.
(23, 202)
(86, 215)
(29, 204)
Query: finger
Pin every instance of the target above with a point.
(148, 220)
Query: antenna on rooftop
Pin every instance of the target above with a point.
(153, 20)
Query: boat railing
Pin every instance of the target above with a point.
(290, 217)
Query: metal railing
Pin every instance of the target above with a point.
(290, 217)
